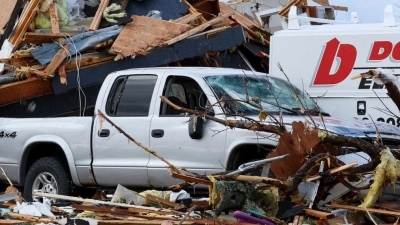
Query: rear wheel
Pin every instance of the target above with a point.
(47, 175)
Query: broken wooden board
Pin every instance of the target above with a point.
(55, 28)
(99, 15)
(14, 222)
(286, 8)
(163, 202)
(198, 29)
(6, 10)
(188, 18)
(29, 88)
(24, 22)
(38, 38)
(61, 55)
(251, 27)
(143, 34)
(371, 210)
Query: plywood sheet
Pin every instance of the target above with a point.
(143, 34)
(6, 9)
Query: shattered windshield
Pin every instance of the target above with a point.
(254, 92)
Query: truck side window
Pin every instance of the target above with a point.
(184, 92)
(131, 96)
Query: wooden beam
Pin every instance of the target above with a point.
(340, 8)
(31, 218)
(77, 199)
(188, 18)
(198, 29)
(8, 222)
(286, 8)
(29, 88)
(55, 27)
(371, 210)
(333, 171)
(38, 38)
(24, 23)
(128, 212)
(99, 14)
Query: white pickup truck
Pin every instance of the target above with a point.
(56, 154)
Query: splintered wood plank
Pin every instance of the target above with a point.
(6, 9)
(55, 28)
(143, 34)
(38, 38)
(340, 8)
(14, 222)
(163, 202)
(23, 24)
(188, 18)
(249, 25)
(29, 88)
(335, 170)
(31, 218)
(99, 14)
(371, 210)
(61, 55)
(198, 28)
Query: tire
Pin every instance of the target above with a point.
(54, 178)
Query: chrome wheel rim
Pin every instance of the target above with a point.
(46, 183)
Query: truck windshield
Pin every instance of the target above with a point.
(255, 92)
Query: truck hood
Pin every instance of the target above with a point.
(349, 127)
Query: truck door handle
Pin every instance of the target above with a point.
(104, 133)
(157, 133)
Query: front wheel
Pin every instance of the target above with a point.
(47, 175)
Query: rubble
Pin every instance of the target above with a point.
(307, 166)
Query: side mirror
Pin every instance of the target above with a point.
(195, 126)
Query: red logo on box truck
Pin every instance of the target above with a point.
(347, 55)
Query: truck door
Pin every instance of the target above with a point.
(170, 137)
(116, 160)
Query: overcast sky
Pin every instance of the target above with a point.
(369, 11)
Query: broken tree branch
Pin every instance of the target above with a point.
(230, 123)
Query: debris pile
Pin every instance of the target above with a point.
(312, 175)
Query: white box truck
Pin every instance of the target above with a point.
(321, 59)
